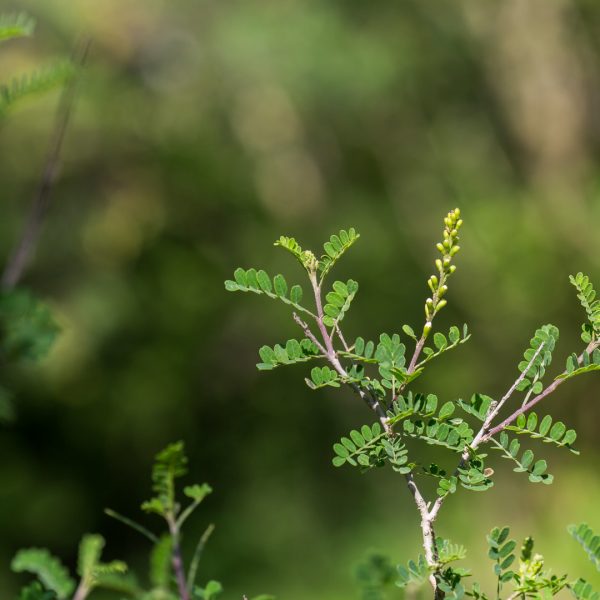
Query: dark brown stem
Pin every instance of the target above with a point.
(27, 244)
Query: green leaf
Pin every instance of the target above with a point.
(556, 434)
(169, 465)
(339, 301)
(538, 357)
(259, 282)
(197, 492)
(35, 591)
(588, 540)
(335, 248)
(294, 352)
(15, 25)
(366, 449)
(414, 572)
(34, 83)
(588, 298)
(510, 449)
(478, 406)
(27, 327)
(321, 377)
(160, 562)
(48, 569)
(441, 343)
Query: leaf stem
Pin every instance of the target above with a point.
(196, 558)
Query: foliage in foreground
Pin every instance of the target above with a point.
(380, 372)
(168, 578)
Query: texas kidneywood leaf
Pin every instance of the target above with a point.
(379, 372)
(294, 351)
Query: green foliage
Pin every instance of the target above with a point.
(27, 327)
(582, 590)
(501, 550)
(591, 304)
(589, 363)
(414, 572)
(259, 282)
(212, 591)
(362, 448)
(35, 83)
(380, 372)
(443, 344)
(321, 377)
(15, 25)
(294, 351)
(48, 569)
(478, 406)
(588, 540)
(35, 591)
(537, 358)
(160, 562)
(556, 433)
(449, 552)
(170, 464)
(335, 248)
(374, 575)
(338, 301)
(525, 464)
(94, 573)
(454, 435)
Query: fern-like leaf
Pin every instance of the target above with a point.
(414, 572)
(169, 465)
(361, 448)
(588, 540)
(582, 590)
(48, 569)
(335, 248)
(443, 344)
(15, 25)
(545, 430)
(35, 591)
(590, 363)
(338, 301)
(34, 83)
(526, 463)
(587, 296)
(293, 352)
(259, 282)
(322, 377)
(537, 357)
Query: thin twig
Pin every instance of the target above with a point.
(551, 388)
(193, 570)
(309, 334)
(131, 523)
(28, 242)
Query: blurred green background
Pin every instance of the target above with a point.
(203, 131)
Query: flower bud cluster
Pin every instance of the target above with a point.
(437, 283)
(309, 261)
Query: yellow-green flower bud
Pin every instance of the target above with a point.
(438, 264)
(427, 329)
(452, 269)
(440, 248)
(446, 261)
(454, 250)
(442, 290)
(441, 305)
(457, 212)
